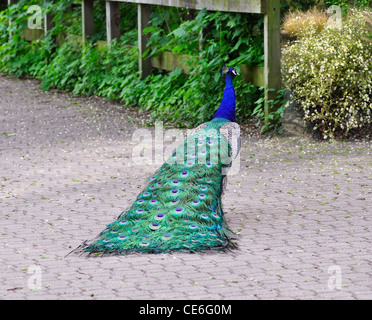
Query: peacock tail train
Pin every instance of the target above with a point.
(180, 208)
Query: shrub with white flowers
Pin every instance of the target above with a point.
(330, 75)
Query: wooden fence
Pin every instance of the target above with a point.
(269, 76)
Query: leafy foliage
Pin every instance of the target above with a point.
(330, 76)
(346, 4)
(305, 5)
(297, 23)
(112, 72)
(187, 95)
(270, 122)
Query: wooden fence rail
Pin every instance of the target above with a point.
(269, 76)
(270, 9)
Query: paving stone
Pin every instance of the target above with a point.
(301, 208)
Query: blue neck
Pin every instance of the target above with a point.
(227, 107)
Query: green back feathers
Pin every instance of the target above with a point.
(180, 207)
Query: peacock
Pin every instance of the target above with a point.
(180, 209)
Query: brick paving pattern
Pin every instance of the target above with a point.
(301, 209)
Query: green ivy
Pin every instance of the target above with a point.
(346, 4)
(270, 122)
(303, 5)
(112, 72)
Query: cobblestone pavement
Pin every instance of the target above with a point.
(302, 210)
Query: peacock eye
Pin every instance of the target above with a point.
(234, 72)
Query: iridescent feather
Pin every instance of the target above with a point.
(180, 208)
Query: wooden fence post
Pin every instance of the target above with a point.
(10, 2)
(272, 53)
(112, 21)
(48, 22)
(87, 19)
(144, 13)
(3, 4)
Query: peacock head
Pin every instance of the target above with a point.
(225, 70)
